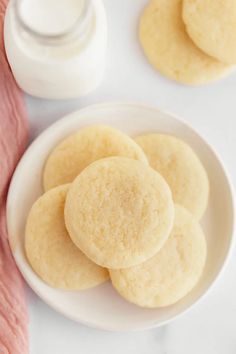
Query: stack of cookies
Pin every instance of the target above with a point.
(122, 209)
(190, 41)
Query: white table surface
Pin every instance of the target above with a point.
(210, 328)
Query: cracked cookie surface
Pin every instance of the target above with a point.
(50, 251)
(170, 50)
(119, 212)
(172, 272)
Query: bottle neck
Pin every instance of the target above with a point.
(53, 33)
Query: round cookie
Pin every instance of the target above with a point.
(170, 50)
(79, 150)
(172, 272)
(212, 26)
(50, 251)
(119, 212)
(181, 168)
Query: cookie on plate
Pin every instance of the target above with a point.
(172, 273)
(119, 212)
(170, 50)
(79, 150)
(212, 26)
(50, 251)
(181, 168)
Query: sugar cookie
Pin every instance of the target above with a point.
(119, 212)
(170, 50)
(50, 250)
(181, 168)
(212, 26)
(172, 272)
(77, 151)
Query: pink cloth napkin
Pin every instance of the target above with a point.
(13, 139)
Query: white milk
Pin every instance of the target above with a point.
(56, 48)
(50, 16)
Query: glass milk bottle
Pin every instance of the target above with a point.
(56, 48)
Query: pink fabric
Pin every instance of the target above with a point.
(13, 139)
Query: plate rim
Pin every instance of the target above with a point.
(136, 105)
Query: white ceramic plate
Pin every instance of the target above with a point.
(102, 307)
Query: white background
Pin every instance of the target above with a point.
(210, 328)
